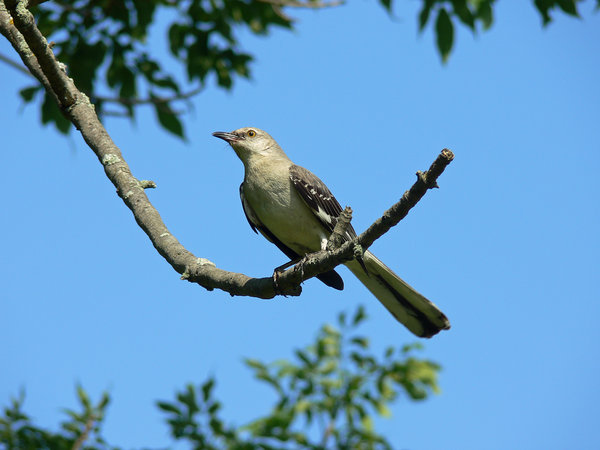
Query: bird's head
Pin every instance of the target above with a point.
(250, 142)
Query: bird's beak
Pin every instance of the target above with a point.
(227, 137)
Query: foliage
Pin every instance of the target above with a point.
(326, 397)
(18, 432)
(475, 15)
(107, 48)
(109, 41)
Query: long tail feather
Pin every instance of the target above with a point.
(409, 307)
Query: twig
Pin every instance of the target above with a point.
(338, 236)
(14, 65)
(131, 101)
(327, 433)
(33, 3)
(85, 434)
(396, 213)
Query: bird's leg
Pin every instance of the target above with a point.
(280, 269)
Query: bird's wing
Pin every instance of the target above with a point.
(250, 216)
(318, 197)
(330, 278)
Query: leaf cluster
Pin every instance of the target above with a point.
(18, 432)
(475, 15)
(326, 397)
(107, 49)
(109, 41)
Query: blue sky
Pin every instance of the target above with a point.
(508, 247)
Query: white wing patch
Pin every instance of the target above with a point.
(323, 216)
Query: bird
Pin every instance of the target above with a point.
(292, 208)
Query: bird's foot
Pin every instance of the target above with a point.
(277, 271)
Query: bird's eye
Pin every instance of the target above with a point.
(251, 133)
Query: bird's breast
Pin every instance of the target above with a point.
(274, 200)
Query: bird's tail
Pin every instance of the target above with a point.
(409, 307)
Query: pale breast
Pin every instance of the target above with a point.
(279, 207)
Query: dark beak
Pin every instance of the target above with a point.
(227, 137)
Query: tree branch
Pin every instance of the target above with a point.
(14, 65)
(89, 424)
(132, 101)
(40, 60)
(8, 30)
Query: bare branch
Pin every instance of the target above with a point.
(39, 59)
(132, 101)
(89, 424)
(14, 64)
(396, 213)
(33, 3)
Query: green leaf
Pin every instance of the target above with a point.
(389, 352)
(329, 367)
(84, 398)
(543, 6)
(169, 407)
(28, 93)
(269, 379)
(424, 14)
(407, 348)
(485, 14)
(568, 6)
(104, 400)
(212, 410)
(367, 423)
(169, 120)
(304, 358)
(357, 358)
(330, 331)
(188, 398)
(76, 417)
(301, 406)
(359, 316)
(255, 364)
(51, 114)
(461, 9)
(383, 410)
(387, 4)
(207, 389)
(444, 34)
(361, 342)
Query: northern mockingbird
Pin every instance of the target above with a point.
(294, 210)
